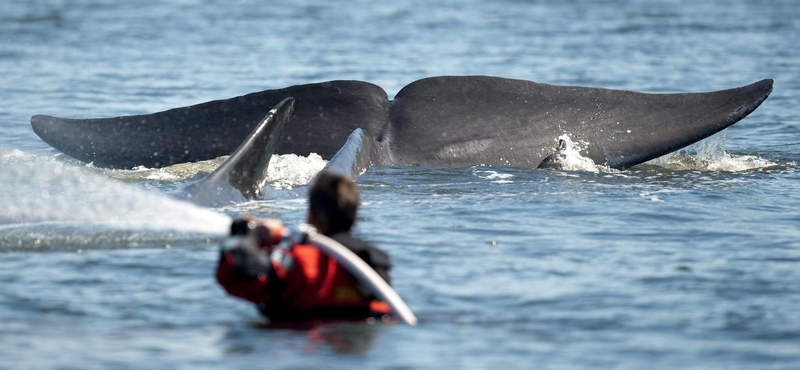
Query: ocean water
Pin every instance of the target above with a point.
(691, 261)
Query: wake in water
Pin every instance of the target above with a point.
(47, 201)
(706, 155)
(285, 172)
(54, 204)
(175, 173)
(710, 155)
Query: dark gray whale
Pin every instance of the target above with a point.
(440, 121)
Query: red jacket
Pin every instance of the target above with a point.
(294, 282)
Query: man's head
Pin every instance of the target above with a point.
(332, 203)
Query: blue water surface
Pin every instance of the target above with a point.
(654, 267)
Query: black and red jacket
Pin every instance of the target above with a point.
(295, 281)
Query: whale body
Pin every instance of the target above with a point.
(454, 121)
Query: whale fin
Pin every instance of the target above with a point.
(243, 176)
(358, 155)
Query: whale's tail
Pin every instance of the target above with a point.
(675, 121)
(455, 121)
(243, 176)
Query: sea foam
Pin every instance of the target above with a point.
(285, 171)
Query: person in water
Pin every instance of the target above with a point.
(291, 280)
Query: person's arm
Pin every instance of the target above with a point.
(245, 271)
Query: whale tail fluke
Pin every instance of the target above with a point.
(456, 121)
(675, 121)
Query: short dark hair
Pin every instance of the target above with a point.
(334, 202)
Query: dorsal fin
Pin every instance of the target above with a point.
(243, 176)
(357, 155)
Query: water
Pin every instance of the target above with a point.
(689, 261)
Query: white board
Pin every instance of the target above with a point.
(362, 272)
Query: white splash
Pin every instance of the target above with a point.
(570, 158)
(285, 171)
(175, 173)
(43, 190)
(651, 196)
(290, 171)
(710, 155)
(495, 177)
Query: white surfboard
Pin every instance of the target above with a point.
(362, 272)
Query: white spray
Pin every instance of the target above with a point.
(37, 189)
(710, 155)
